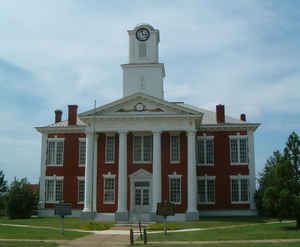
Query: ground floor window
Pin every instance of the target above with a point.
(206, 190)
(53, 189)
(108, 189)
(239, 189)
(80, 190)
(175, 188)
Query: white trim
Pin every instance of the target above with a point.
(238, 137)
(207, 178)
(179, 158)
(205, 138)
(238, 178)
(79, 141)
(54, 178)
(109, 176)
(79, 179)
(55, 140)
(175, 176)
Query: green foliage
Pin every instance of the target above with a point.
(96, 226)
(21, 201)
(279, 191)
(3, 190)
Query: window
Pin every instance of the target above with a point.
(54, 189)
(206, 190)
(175, 189)
(110, 149)
(80, 189)
(205, 150)
(55, 152)
(175, 148)
(109, 189)
(239, 189)
(142, 148)
(239, 149)
(82, 151)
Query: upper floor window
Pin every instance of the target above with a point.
(206, 190)
(142, 148)
(175, 148)
(239, 149)
(81, 189)
(110, 149)
(82, 151)
(53, 189)
(239, 189)
(55, 151)
(205, 150)
(175, 188)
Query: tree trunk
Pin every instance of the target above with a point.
(298, 221)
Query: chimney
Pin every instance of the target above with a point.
(58, 114)
(243, 117)
(220, 114)
(72, 115)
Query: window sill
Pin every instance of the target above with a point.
(108, 203)
(206, 203)
(175, 162)
(239, 164)
(81, 165)
(81, 203)
(176, 203)
(109, 162)
(245, 202)
(142, 162)
(51, 202)
(205, 164)
(54, 165)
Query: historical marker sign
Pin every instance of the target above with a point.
(165, 209)
(63, 209)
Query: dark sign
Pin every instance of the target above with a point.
(165, 209)
(63, 209)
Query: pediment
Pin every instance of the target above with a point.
(140, 104)
(141, 174)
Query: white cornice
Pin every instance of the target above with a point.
(229, 127)
(62, 130)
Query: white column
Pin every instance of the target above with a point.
(43, 170)
(94, 208)
(252, 177)
(156, 171)
(192, 173)
(88, 173)
(122, 175)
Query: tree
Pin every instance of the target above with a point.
(21, 200)
(3, 190)
(280, 182)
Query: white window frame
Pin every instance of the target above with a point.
(80, 179)
(54, 178)
(205, 138)
(113, 150)
(238, 137)
(55, 140)
(206, 179)
(239, 177)
(109, 176)
(175, 176)
(81, 140)
(142, 161)
(178, 146)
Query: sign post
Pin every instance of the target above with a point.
(165, 209)
(62, 209)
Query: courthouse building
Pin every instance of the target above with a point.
(119, 160)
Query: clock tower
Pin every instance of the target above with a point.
(143, 73)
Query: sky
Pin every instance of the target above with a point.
(243, 54)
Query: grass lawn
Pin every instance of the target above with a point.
(206, 222)
(262, 231)
(75, 223)
(10, 232)
(233, 245)
(27, 244)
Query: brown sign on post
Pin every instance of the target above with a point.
(165, 209)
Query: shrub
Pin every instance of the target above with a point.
(96, 226)
(21, 201)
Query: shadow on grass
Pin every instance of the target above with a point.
(290, 228)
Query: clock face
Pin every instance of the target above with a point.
(139, 107)
(142, 34)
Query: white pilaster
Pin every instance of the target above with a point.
(122, 177)
(88, 173)
(252, 177)
(192, 173)
(156, 171)
(94, 208)
(43, 170)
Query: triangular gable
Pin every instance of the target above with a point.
(140, 103)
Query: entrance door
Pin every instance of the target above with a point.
(142, 196)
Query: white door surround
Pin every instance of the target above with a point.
(141, 191)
